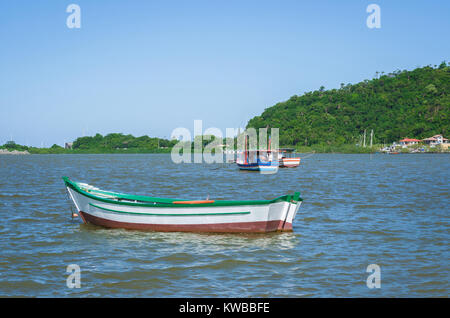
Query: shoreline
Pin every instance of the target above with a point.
(322, 149)
(15, 152)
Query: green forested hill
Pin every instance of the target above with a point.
(111, 143)
(116, 141)
(414, 104)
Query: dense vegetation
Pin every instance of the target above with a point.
(111, 143)
(117, 141)
(414, 104)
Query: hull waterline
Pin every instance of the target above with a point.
(259, 166)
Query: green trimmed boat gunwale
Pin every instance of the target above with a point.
(168, 203)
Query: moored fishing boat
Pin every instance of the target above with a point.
(118, 210)
(287, 160)
(258, 161)
(265, 161)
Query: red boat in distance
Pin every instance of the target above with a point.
(287, 159)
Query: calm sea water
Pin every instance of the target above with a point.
(392, 211)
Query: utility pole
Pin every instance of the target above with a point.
(371, 138)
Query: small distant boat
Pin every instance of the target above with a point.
(287, 160)
(265, 161)
(258, 161)
(118, 210)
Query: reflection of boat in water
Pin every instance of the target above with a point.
(118, 210)
(286, 158)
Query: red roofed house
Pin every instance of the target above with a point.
(408, 142)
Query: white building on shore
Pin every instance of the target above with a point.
(436, 140)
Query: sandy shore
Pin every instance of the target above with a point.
(14, 152)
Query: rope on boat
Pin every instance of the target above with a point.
(312, 153)
(73, 214)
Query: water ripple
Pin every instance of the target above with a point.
(358, 210)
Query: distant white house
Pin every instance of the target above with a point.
(437, 140)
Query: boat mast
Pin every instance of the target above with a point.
(245, 150)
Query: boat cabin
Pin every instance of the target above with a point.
(286, 152)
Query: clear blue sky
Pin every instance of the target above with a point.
(147, 67)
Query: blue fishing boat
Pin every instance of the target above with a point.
(259, 165)
(265, 161)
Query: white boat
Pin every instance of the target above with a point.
(118, 210)
(286, 159)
